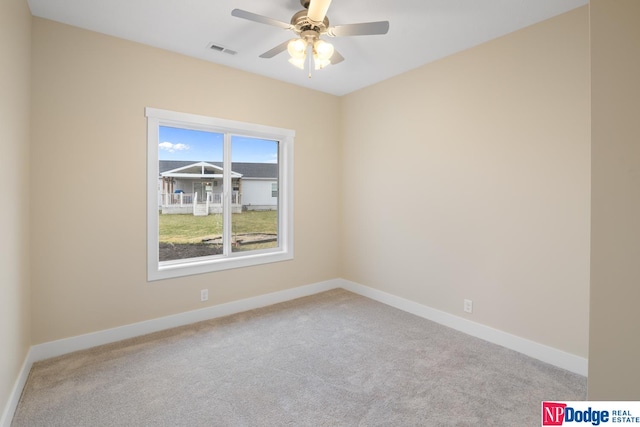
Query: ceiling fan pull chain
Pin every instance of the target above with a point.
(309, 54)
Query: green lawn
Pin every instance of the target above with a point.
(193, 229)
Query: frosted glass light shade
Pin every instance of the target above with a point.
(298, 62)
(323, 50)
(297, 48)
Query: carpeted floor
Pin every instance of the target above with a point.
(332, 359)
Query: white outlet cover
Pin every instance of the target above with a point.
(468, 306)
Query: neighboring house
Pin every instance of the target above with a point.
(187, 187)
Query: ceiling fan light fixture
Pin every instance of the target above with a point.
(297, 62)
(322, 53)
(297, 49)
(320, 63)
(323, 50)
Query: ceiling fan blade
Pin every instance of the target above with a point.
(336, 58)
(239, 13)
(318, 10)
(276, 50)
(363, 29)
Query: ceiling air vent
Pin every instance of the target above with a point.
(218, 48)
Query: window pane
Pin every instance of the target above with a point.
(255, 203)
(190, 220)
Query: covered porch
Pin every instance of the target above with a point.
(196, 189)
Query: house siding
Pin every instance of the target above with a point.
(256, 194)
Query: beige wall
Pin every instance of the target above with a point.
(89, 174)
(15, 49)
(614, 349)
(469, 178)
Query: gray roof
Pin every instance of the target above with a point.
(248, 170)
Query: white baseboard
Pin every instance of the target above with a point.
(47, 350)
(16, 392)
(107, 336)
(553, 356)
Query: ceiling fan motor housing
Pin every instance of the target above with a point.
(302, 23)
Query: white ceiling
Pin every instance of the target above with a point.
(420, 31)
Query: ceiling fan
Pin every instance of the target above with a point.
(309, 24)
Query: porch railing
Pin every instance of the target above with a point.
(176, 199)
(186, 199)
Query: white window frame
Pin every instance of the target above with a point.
(228, 260)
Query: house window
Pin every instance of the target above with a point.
(204, 209)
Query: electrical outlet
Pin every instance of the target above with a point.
(204, 294)
(468, 306)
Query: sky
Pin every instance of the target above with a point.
(187, 144)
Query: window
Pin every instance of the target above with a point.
(206, 207)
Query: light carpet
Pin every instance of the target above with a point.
(331, 359)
